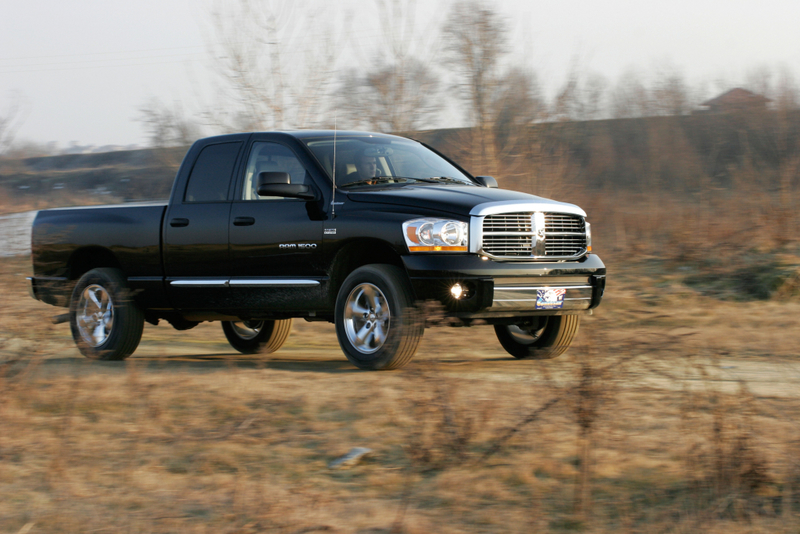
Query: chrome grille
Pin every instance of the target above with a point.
(513, 236)
(558, 222)
(508, 222)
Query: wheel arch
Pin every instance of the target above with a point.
(85, 259)
(357, 253)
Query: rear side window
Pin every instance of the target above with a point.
(212, 173)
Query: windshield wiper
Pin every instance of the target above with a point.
(447, 179)
(404, 179)
(380, 180)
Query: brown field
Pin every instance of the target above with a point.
(675, 412)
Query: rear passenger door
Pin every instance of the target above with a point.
(196, 258)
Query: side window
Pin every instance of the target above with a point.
(212, 172)
(270, 157)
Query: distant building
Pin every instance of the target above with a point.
(737, 99)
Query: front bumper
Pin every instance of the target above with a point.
(506, 289)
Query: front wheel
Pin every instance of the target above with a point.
(252, 337)
(106, 323)
(540, 338)
(377, 325)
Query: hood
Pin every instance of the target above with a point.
(455, 199)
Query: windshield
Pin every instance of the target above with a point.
(366, 160)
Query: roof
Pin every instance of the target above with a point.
(737, 97)
(303, 135)
(306, 134)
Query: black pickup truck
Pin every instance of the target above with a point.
(368, 231)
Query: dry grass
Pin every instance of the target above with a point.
(676, 412)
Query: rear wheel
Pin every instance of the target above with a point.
(106, 323)
(539, 338)
(377, 325)
(252, 337)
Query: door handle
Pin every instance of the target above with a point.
(244, 221)
(179, 222)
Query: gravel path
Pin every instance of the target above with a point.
(15, 233)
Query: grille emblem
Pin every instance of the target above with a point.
(538, 237)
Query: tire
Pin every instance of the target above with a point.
(377, 325)
(254, 337)
(106, 323)
(547, 337)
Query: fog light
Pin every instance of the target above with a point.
(457, 291)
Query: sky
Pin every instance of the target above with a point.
(81, 70)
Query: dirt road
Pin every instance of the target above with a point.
(462, 354)
(684, 342)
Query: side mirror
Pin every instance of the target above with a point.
(276, 184)
(486, 181)
(273, 178)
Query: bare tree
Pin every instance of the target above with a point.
(786, 94)
(759, 80)
(10, 122)
(669, 93)
(275, 62)
(516, 106)
(594, 97)
(25, 148)
(399, 91)
(167, 126)
(517, 100)
(475, 42)
(391, 97)
(776, 84)
(630, 97)
(567, 102)
(581, 98)
(664, 93)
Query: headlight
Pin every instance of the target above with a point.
(436, 235)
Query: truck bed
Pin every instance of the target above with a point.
(64, 238)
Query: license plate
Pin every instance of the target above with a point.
(550, 299)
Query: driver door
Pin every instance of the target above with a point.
(275, 245)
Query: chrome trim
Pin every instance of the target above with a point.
(530, 306)
(261, 283)
(534, 300)
(475, 234)
(48, 278)
(538, 231)
(535, 288)
(577, 297)
(537, 209)
(508, 206)
(244, 283)
(199, 283)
